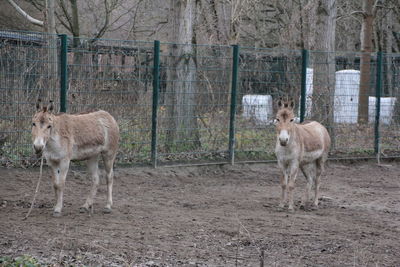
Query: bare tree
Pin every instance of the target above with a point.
(324, 61)
(368, 14)
(181, 74)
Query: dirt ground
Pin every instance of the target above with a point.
(206, 216)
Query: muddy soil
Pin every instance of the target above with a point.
(206, 216)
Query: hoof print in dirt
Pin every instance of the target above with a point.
(308, 207)
(56, 214)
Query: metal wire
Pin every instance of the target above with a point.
(191, 122)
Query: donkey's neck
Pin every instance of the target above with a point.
(55, 147)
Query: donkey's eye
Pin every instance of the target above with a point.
(277, 119)
(48, 127)
(291, 120)
(33, 124)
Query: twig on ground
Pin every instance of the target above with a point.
(237, 247)
(36, 190)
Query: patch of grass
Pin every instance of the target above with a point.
(22, 261)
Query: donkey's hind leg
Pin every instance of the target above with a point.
(309, 171)
(93, 169)
(108, 165)
(319, 169)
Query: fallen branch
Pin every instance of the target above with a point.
(36, 190)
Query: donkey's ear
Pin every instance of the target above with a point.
(51, 106)
(39, 104)
(280, 103)
(291, 104)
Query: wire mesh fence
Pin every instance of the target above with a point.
(28, 71)
(389, 127)
(187, 104)
(264, 76)
(193, 113)
(335, 98)
(115, 76)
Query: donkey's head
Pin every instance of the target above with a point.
(284, 121)
(42, 123)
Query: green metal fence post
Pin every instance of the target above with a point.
(378, 89)
(63, 73)
(235, 69)
(304, 64)
(156, 87)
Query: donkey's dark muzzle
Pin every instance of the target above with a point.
(38, 151)
(283, 143)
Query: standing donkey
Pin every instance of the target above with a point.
(64, 137)
(303, 146)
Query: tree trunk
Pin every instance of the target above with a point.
(75, 30)
(387, 32)
(51, 29)
(181, 91)
(217, 21)
(324, 63)
(365, 66)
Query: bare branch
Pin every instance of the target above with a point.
(118, 18)
(103, 29)
(66, 15)
(38, 5)
(375, 8)
(25, 15)
(358, 13)
(60, 19)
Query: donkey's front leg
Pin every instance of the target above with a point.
(60, 170)
(291, 183)
(284, 180)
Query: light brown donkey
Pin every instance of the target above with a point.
(63, 137)
(303, 146)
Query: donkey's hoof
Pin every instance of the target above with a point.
(291, 209)
(107, 210)
(83, 209)
(280, 208)
(56, 214)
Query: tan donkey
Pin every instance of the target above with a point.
(299, 146)
(64, 137)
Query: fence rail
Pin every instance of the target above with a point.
(191, 104)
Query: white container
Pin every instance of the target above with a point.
(258, 107)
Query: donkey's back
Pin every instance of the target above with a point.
(91, 133)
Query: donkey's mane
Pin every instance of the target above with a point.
(63, 113)
(85, 112)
